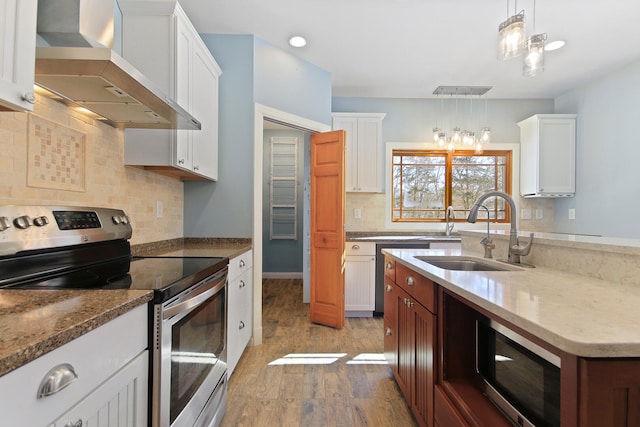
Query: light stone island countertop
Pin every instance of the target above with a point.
(34, 322)
(581, 315)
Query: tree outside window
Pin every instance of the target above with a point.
(426, 182)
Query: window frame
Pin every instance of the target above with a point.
(506, 151)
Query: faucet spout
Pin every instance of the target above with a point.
(515, 250)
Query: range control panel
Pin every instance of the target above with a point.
(44, 227)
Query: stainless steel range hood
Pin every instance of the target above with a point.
(89, 73)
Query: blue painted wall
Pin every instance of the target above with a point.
(607, 198)
(253, 71)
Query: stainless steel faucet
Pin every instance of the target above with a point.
(449, 215)
(515, 250)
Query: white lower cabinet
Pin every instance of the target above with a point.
(240, 308)
(359, 279)
(111, 388)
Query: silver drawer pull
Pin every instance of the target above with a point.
(242, 264)
(410, 281)
(242, 284)
(74, 424)
(389, 266)
(388, 332)
(56, 379)
(241, 325)
(389, 288)
(355, 247)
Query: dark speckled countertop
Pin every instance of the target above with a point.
(34, 322)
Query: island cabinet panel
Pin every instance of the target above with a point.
(610, 392)
(410, 340)
(446, 415)
(421, 288)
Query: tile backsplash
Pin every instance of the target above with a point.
(57, 156)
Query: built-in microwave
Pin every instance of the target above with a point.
(521, 378)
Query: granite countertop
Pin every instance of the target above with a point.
(34, 322)
(381, 236)
(581, 315)
(195, 247)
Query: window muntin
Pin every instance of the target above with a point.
(425, 182)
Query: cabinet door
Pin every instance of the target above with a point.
(17, 54)
(350, 126)
(369, 149)
(557, 151)
(391, 325)
(121, 400)
(204, 105)
(239, 318)
(182, 82)
(359, 284)
(423, 378)
(406, 341)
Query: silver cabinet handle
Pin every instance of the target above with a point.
(181, 162)
(56, 379)
(389, 266)
(74, 424)
(196, 168)
(242, 284)
(355, 247)
(388, 332)
(242, 264)
(410, 281)
(389, 288)
(241, 325)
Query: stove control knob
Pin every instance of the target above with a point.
(41, 221)
(117, 219)
(4, 223)
(23, 222)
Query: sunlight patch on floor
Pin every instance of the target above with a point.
(328, 358)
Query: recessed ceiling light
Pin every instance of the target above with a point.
(554, 45)
(297, 41)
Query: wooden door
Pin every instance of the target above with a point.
(327, 228)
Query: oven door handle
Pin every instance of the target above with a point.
(200, 296)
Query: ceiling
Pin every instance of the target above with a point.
(406, 48)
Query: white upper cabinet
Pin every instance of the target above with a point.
(548, 155)
(17, 54)
(168, 49)
(364, 150)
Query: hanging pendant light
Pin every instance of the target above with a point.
(533, 58)
(511, 35)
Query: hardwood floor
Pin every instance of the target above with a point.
(310, 375)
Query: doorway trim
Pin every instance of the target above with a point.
(262, 112)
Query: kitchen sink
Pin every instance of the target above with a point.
(462, 263)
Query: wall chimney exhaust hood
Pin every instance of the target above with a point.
(83, 71)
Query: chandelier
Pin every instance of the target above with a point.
(457, 138)
(513, 42)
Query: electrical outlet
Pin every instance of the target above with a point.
(539, 214)
(159, 209)
(357, 213)
(525, 214)
(572, 213)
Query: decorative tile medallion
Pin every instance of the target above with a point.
(56, 156)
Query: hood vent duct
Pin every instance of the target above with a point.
(76, 61)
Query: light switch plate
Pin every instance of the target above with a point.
(525, 214)
(539, 214)
(572, 213)
(357, 213)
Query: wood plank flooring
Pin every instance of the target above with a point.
(327, 380)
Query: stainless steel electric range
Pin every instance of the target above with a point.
(63, 247)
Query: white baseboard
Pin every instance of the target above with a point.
(282, 275)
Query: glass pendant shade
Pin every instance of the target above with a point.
(511, 37)
(533, 59)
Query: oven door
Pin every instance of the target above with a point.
(190, 355)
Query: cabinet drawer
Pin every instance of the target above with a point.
(419, 287)
(390, 268)
(238, 265)
(360, 248)
(445, 413)
(95, 357)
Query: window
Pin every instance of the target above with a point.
(426, 182)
